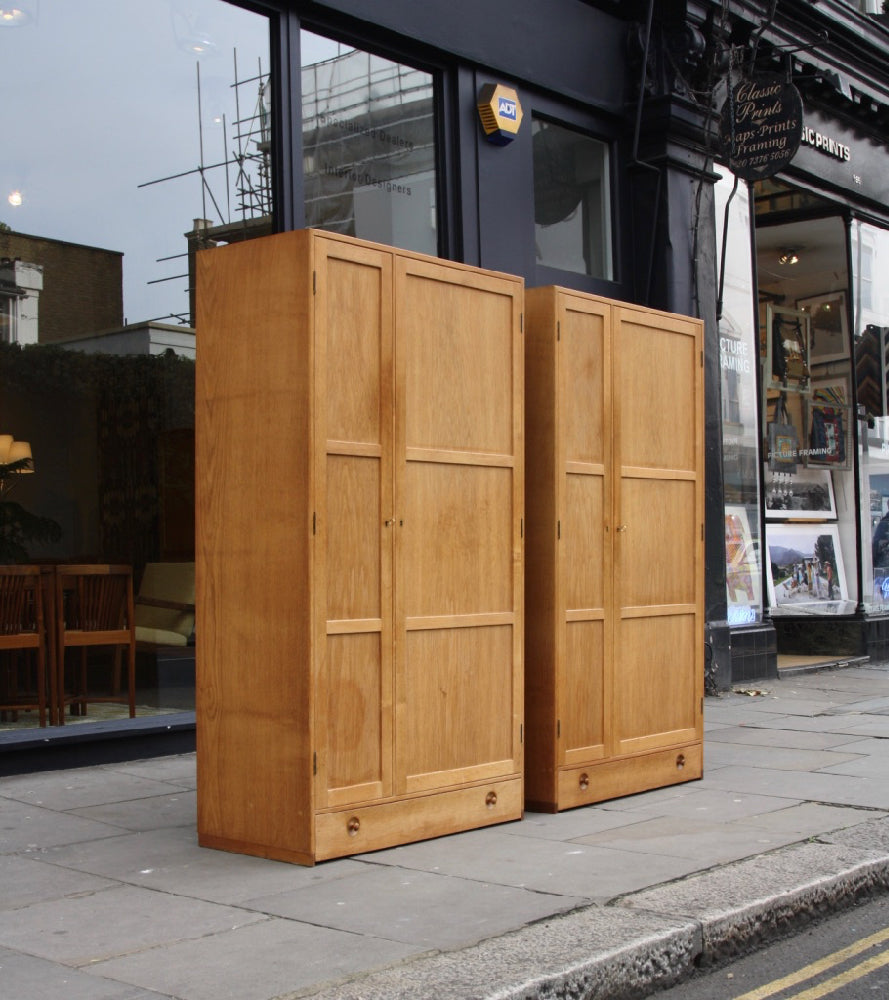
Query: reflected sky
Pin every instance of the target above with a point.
(106, 100)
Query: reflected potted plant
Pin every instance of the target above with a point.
(19, 527)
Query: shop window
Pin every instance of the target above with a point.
(572, 200)
(369, 159)
(140, 135)
(808, 414)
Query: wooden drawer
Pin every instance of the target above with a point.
(385, 824)
(579, 786)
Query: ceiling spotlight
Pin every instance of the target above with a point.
(789, 255)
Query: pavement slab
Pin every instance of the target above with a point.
(27, 977)
(409, 908)
(256, 962)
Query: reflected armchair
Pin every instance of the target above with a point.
(165, 606)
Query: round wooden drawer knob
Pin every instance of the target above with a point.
(353, 826)
(584, 781)
(491, 800)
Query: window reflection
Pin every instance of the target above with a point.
(572, 229)
(740, 414)
(368, 146)
(142, 135)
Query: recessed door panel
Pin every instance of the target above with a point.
(353, 529)
(456, 349)
(658, 408)
(455, 553)
(356, 315)
(582, 710)
(657, 544)
(457, 688)
(583, 376)
(583, 555)
(356, 750)
(656, 700)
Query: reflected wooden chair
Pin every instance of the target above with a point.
(22, 630)
(94, 608)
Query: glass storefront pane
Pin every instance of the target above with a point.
(870, 255)
(139, 134)
(740, 411)
(808, 416)
(572, 200)
(369, 156)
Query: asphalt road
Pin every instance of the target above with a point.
(843, 958)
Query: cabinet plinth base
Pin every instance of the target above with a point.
(373, 827)
(612, 779)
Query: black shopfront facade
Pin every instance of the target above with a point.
(367, 122)
(804, 422)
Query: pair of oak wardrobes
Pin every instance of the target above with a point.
(449, 556)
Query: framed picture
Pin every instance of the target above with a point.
(743, 574)
(807, 495)
(805, 566)
(786, 358)
(829, 334)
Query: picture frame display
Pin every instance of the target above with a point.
(805, 566)
(806, 495)
(829, 333)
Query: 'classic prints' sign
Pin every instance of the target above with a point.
(761, 126)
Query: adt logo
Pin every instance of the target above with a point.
(506, 109)
(500, 113)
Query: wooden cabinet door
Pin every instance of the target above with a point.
(458, 629)
(658, 535)
(583, 443)
(354, 522)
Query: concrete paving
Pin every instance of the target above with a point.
(105, 894)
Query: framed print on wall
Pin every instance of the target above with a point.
(805, 565)
(804, 496)
(829, 327)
